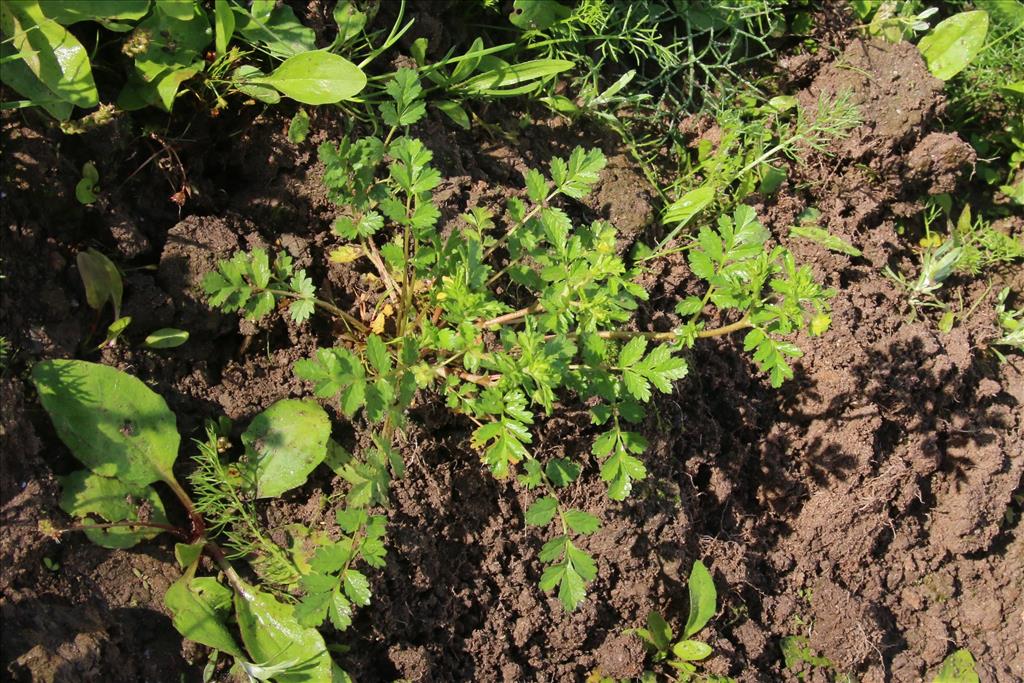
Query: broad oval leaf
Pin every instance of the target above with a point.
(954, 42)
(113, 423)
(67, 13)
(284, 444)
(316, 78)
(703, 598)
(691, 650)
(200, 609)
(274, 637)
(50, 51)
(85, 493)
(166, 338)
(101, 279)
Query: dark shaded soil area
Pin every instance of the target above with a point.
(863, 505)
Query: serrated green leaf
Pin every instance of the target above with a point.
(542, 511)
(562, 472)
(357, 587)
(581, 522)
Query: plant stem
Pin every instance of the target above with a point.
(741, 324)
(198, 525)
(327, 306)
(170, 528)
(511, 317)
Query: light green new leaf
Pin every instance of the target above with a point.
(274, 638)
(200, 608)
(101, 279)
(84, 493)
(691, 650)
(659, 631)
(316, 78)
(284, 444)
(166, 338)
(113, 423)
(825, 239)
(223, 25)
(954, 42)
(703, 598)
(957, 668)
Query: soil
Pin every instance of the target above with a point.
(868, 504)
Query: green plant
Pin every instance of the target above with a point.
(681, 654)
(957, 668)
(126, 437)
(439, 324)
(1011, 325)
(166, 41)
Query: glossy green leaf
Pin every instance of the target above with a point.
(67, 12)
(85, 495)
(114, 331)
(691, 650)
(101, 279)
(492, 82)
(166, 338)
(50, 51)
(200, 608)
(316, 78)
(113, 423)
(703, 599)
(223, 25)
(16, 74)
(274, 637)
(954, 42)
(284, 444)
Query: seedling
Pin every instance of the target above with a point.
(683, 653)
(127, 438)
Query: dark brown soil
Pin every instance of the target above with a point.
(868, 504)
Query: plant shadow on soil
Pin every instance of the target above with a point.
(859, 481)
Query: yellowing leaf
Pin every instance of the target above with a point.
(346, 254)
(377, 326)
